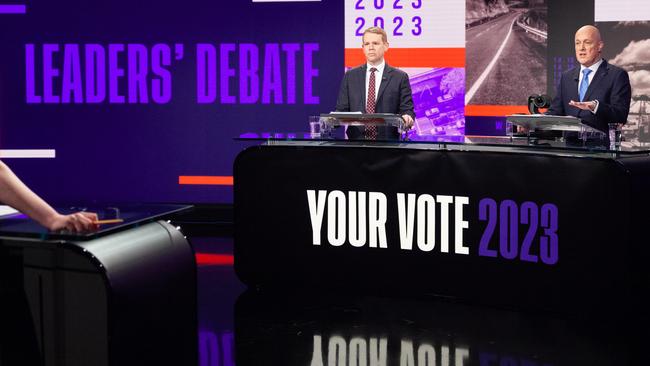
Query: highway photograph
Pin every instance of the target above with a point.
(505, 51)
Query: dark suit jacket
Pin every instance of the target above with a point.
(610, 86)
(394, 95)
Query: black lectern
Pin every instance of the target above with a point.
(120, 296)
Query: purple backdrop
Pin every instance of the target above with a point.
(132, 95)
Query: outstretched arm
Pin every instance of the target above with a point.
(16, 194)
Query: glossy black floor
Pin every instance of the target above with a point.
(251, 327)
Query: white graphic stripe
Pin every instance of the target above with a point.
(28, 153)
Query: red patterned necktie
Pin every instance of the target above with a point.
(371, 130)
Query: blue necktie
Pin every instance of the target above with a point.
(584, 84)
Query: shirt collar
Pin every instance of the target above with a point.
(380, 67)
(593, 67)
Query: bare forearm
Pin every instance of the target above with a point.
(15, 193)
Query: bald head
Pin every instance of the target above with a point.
(589, 45)
(589, 30)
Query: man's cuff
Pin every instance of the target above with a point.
(596, 107)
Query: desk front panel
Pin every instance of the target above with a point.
(512, 229)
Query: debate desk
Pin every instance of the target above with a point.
(503, 221)
(123, 295)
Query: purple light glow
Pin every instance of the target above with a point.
(13, 9)
(216, 348)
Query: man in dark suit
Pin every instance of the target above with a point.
(376, 87)
(596, 92)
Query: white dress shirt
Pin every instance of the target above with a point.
(378, 76)
(591, 75)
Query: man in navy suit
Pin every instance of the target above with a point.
(596, 92)
(376, 87)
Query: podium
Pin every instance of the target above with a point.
(517, 195)
(123, 295)
(542, 126)
(391, 124)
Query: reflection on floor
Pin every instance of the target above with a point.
(251, 327)
(218, 289)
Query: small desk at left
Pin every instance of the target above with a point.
(125, 294)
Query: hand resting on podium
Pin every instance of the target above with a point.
(16, 194)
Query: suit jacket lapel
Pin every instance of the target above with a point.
(600, 75)
(385, 79)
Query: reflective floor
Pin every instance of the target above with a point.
(251, 327)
